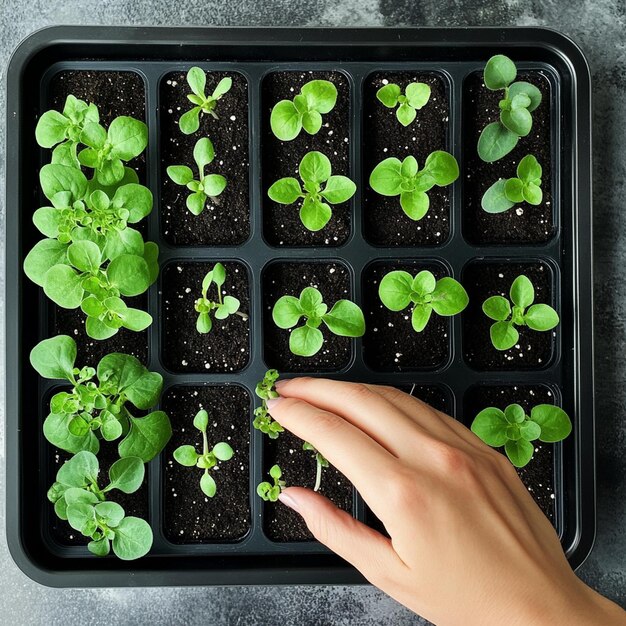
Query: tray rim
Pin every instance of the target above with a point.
(539, 37)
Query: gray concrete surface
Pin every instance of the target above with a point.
(600, 27)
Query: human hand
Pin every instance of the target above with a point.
(467, 540)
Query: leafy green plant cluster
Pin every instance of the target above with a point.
(221, 308)
(540, 317)
(203, 104)
(415, 96)
(289, 117)
(188, 457)
(96, 406)
(207, 186)
(270, 491)
(516, 431)
(519, 100)
(424, 293)
(315, 170)
(393, 177)
(320, 463)
(91, 257)
(78, 498)
(263, 421)
(506, 193)
(344, 319)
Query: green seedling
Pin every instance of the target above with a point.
(204, 105)
(506, 193)
(320, 464)
(208, 187)
(62, 131)
(425, 294)
(263, 421)
(188, 457)
(344, 319)
(78, 499)
(393, 177)
(415, 96)
(98, 409)
(268, 491)
(222, 308)
(320, 189)
(541, 317)
(289, 117)
(519, 100)
(515, 430)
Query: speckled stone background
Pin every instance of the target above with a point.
(600, 27)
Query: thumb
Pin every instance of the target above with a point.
(369, 551)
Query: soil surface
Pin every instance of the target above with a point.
(299, 468)
(538, 475)
(384, 221)
(72, 322)
(115, 94)
(390, 343)
(282, 225)
(135, 504)
(290, 278)
(523, 223)
(482, 280)
(225, 219)
(226, 348)
(188, 515)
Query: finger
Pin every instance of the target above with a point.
(430, 419)
(361, 406)
(348, 448)
(370, 552)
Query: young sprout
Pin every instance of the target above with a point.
(539, 317)
(225, 305)
(263, 421)
(196, 79)
(515, 430)
(314, 170)
(78, 498)
(208, 187)
(415, 96)
(446, 296)
(320, 463)
(268, 491)
(289, 117)
(506, 193)
(187, 456)
(519, 100)
(344, 319)
(393, 177)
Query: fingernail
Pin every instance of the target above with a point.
(288, 501)
(279, 383)
(272, 402)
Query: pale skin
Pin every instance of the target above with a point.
(467, 539)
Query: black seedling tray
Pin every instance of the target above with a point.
(451, 55)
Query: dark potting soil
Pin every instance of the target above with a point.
(281, 223)
(482, 280)
(114, 93)
(538, 475)
(188, 515)
(384, 221)
(299, 468)
(390, 343)
(523, 223)
(225, 219)
(290, 278)
(89, 351)
(135, 504)
(226, 348)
